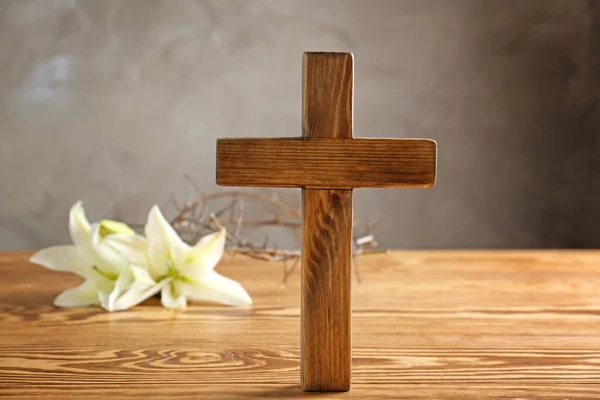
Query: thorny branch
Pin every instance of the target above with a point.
(209, 212)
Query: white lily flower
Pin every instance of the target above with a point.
(109, 256)
(188, 271)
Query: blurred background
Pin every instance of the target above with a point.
(113, 102)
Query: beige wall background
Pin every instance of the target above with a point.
(112, 102)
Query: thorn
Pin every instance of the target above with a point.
(377, 222)
(174, 201)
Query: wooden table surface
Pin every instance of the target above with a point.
(426, 325)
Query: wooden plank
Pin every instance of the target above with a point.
(427, 324)
(514, 391)
(326, 278)
(469, 284)
(327, 114)
(327, 163)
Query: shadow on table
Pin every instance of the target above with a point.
(287, 392)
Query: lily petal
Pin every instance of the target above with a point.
(141, 276)
(134, 241)
(121, 250)
(134, 296)
(122, 283)
(171, 298)
(165, 247)
(205, 254)
(136, 292)
(106, 259)
(82, 295)
(65, 258)
(215, 287)
(79, 227)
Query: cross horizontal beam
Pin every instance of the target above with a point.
(326, 163)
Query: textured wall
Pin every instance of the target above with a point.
(112, 102)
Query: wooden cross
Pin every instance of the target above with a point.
(327, 163)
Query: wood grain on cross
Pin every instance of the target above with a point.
(327, 163)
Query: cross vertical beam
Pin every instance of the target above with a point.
(327, 112)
